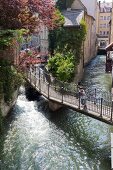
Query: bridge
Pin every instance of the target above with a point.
(98, 105)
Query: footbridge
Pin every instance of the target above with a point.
(97, 105)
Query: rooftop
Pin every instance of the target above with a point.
(72, 17)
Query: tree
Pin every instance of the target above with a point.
(17, 14)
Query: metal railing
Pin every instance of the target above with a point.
(94, 103)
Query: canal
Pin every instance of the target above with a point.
(33, 138)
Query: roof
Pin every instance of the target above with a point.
(91, 6)
(72, 17)
(109, 47)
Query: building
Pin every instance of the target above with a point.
(73, 13)
(103, 25)
(90, 49)
(111, 25)
(44, 43)
(37, 40)
(89, 15)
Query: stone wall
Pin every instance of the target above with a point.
(5, 108)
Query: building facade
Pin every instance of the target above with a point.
(89, 8)
(44, 43)
(103, 25)
(38, 40)
(90, 45)
(111, 26)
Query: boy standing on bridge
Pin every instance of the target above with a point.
(83, 98)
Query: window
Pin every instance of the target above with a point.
(108, 17)
(101, 25)
(104, 25)
(100, 32)
(107, 25)
(104, 17)
(101, 17)
(108, 9)
(107, 32)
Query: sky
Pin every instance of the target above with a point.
(105, 0)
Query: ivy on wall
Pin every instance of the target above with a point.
(68, 39)
(10, 80)
(64, 40)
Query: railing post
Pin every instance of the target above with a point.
(62, 93)
(35, 70)
(30, 74)
(55, 83)
(101, 107)
(35, 76)
(95, 93)
(111, 111)
(39, 81)
(79, 101)
(48, 90)
(27, 70)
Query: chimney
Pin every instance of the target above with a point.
(68, 9)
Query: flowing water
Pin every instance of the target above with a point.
(33, 138)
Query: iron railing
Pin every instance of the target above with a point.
(95, 103)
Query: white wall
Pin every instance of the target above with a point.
(91, 7)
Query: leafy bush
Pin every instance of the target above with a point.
(61, 66)
(7, 37)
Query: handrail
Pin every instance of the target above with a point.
(95, 105)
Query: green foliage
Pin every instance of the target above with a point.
(1, 121)
(59, 18)
(7, 37)
(10, 80)
(67, 42)
(61, 4)
(1, 91)
(62, 66)
(20, 34)
(68, 39)
(52, 33)
(64, 4)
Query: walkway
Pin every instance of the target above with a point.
(98, 107)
